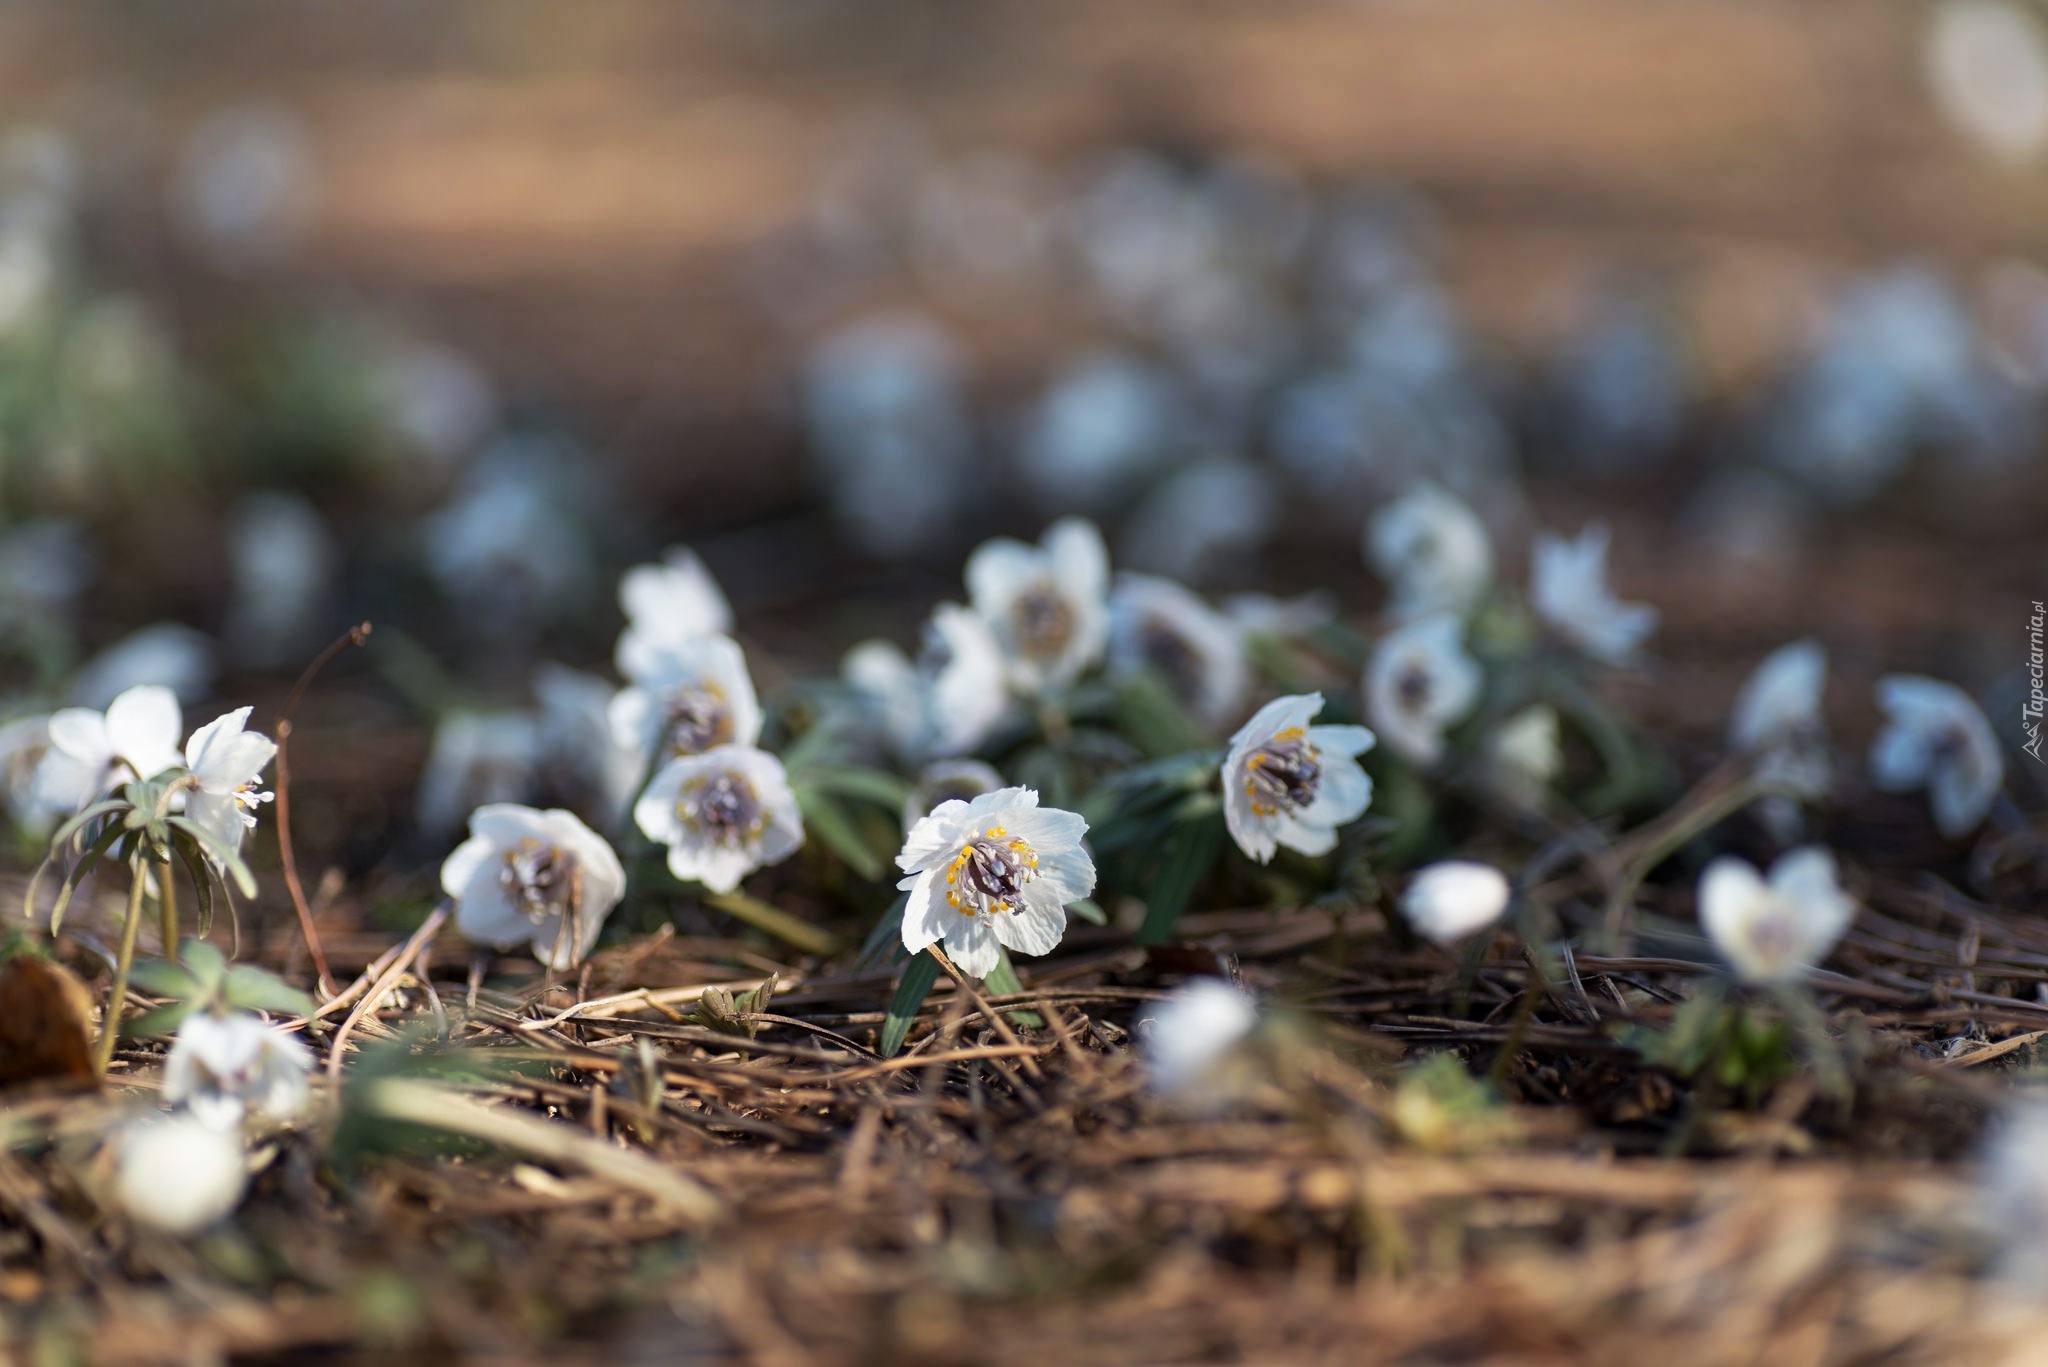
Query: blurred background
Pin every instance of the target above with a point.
(442, 315)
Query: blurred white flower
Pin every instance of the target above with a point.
(223, 1068)
(510, 547)
(283, 560)
(1936, 738)
(477, 759)
(30, 272)
(1448, 901)
(979, 223)
(2013, 1198)
(436, 400)
(1987, 62)
(1433, 551)
(1158, 627)
(668, 605)
(1568, 589)
(1286, 782)
(533, 877)
(889, 695)
(1777, 722)
(1100, 429)
(1420, 682)
(1208, 518)
(228, 762)
(178, 1175)
(44, 567)
(889, 431)
(1286, 619)
(965, 674)
(245, 184)
(722, 814)
(686, 698)
(38, 802)
(1525, 756)
(1188, 1039)
(995, 872)
(948, 780)
(1046, 604)
(581, 762)
(136, 737)
(1774, 931)
(167, 654)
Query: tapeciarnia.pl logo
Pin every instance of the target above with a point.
(2037, 696)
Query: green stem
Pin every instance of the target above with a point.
(774, 921)
(1707, 810)
(167, 909)
(117, 995)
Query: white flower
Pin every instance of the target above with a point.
(1188, 1037)
(889, 694)
(1568, 588)
(1447, 901)
(1285, 619)
(580, 759)
(511, 547)
(477, 758)
(527, 876)
(1777, 720)
(1209, 516)
(963, 666)
(1157, 626)
(1288, 783)
(1045, 603)
(228, 761)
(37, 803)
(948, 780)
(1525, 756)
(177, 1175)
(996, 871)
(1936, 738)
(1096, 433)
(688, 697)
(1987, 62)
(1433, 551)
(167, 654)
(2014, 1198)
(436, 400)
(1773, 932)
(722, 814)
(1419, 682)
(222, 1068)
(668, 605)
(136, 737)
(283, 560)
(245, 185)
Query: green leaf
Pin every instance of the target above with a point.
(251, 989)
(1182, 858)
(84, 819)
(911, 990)
(827, 820)
(1003, 981)
(1089, 911)
(883, 789)
(1149, 714)
(78, 871)
(161, 1020)
(162, 978)
(885, 942)
(227, 860)
(202, 884)
(207, 963)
